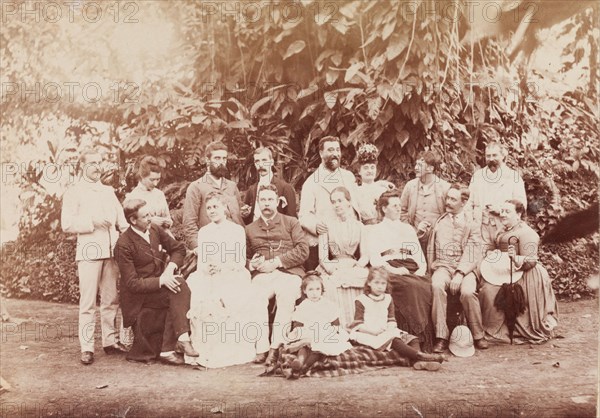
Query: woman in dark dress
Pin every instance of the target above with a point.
(397, 249)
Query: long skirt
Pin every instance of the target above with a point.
(536, 324)
(223, 322)
(413, 299)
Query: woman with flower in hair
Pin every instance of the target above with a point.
(369, 190)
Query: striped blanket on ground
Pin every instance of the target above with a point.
(358, 359)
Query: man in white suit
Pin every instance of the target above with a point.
(92, 211)
(490, 187)
(315, 204)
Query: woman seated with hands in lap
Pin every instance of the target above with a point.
(344, 272)
(396, 248)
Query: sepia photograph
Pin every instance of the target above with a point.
(299, 208)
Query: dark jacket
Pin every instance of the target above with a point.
(141, 265)
(283, 238)
(284, 189)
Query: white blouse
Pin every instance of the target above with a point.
(391, 235)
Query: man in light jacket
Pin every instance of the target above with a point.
(92, 211)
(453, 252)
(315, 199)
(490, 187)
(423, 198)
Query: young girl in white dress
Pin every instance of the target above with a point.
(375, 325)
(316, 331)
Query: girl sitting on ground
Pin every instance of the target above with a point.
(375, 325)
(316, 332)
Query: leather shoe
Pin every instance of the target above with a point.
(438, 358)
(87, 357)
(482, 344)
(185, 347)
(172, 359)
(272, 356)
(440, 345)
(260, 358)
(116, 348)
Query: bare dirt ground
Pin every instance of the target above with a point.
(40, 360)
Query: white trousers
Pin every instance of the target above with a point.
(285, 288)
(97, 275)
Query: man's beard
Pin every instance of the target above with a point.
(218, 171)
(332, 163)
(493, 165)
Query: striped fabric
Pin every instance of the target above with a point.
(344, 298)
(358, 359)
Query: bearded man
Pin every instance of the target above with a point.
(315, 199)
(214, 180)
(490, 187)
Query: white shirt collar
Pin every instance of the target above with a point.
(145, 235)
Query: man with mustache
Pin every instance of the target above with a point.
(490, 187)
(315, 204)
(453, 251)
(276, 249)
(154, 300)
(92, 211)
(422, 199)
(263, 161)
(214, 180)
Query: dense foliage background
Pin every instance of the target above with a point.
(178, 75)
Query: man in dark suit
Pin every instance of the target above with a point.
(276, 248)
(154, 300)
(263, 161)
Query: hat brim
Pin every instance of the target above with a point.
(462, 334)
(461, 351)
(496, 270)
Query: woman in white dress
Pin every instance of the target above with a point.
(343, 256)
(223, 312)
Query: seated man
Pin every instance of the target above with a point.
(277, 248)
(453, 252)
(154, 300)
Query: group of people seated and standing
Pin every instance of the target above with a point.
(382, 263)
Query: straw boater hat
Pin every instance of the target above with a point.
(461, 342)
(495, 269)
